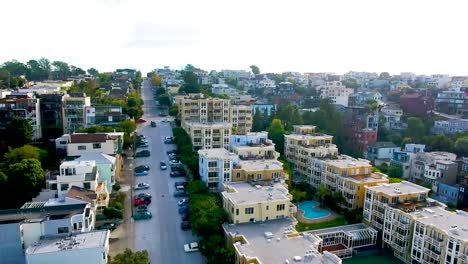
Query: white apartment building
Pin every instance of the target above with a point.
(215, 167)
(241, 118)
(220, 89)
(253, 145)
(73, 111)
(90, 247)
(209, 136)
(78, 144)
(236, 74)
(392, 116)
(336, 91)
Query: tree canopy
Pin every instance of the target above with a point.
(255, 70)
(276, 134)
(130, 257)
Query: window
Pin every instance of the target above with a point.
(238, 175)
(237, 211)
(64, 187)
(81, 147)
(87, 185)
(249, 210)
(62, 230)
(267, 207)
(96, 145)
(280, 207)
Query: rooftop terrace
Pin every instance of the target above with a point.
(259, 165)
(397, 189)
(454, 223)
(245, 193)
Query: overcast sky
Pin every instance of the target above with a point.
(422, 36)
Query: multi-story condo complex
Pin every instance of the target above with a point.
(206, 120)
(253, 145)
(215, 167)
(242, 118)
(73, 111)
(434, 167)
(381, 152)
(91, 247)
(336, 91)
(275, 241)
(453, 101)
(22, 106)
(392, 116)
(103, 115)
(304, 147)
(24, 227)
(450, 127)
(245, 202)
(416, 228)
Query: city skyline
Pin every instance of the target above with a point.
(333, 36)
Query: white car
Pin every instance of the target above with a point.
(142, 186)
(182, 201)
(174, 163)
(192, 247)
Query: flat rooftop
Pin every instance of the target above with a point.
(317, 136)
(348, 162)
(79, 241)
(216, 153)
(245, 193)
(370, 178)
(260, 165)
(397, 189)
(454, 223)
(209, 125)
(269, 242)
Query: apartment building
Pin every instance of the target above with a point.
(245, 202)
(108, 167)
(82, 174)
(450, 127)
(73, 111)
(209, 136)
(198, 109)
(392, 116)
(349, 177)
(403, 158)
(336, 91)
(275, 241)
(215, 167)
(51, 115)
(453, 101)
(91, 247)
(241, 118)
(387, 207)
(381, 152)
(22, 106)
(22, 228)
(104, 115)
(253, 145)
(304, 147)
(434, 167)
(77, 144)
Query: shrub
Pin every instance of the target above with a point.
(113, 213)
(116, 186)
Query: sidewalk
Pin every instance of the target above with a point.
(122, 237)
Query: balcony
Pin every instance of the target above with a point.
(397, 247)
(400, 236)
(378, 203)
(212, 169)
(379, 214)
(431, 253)
(377, 224)
(401, 225)
(435, 242)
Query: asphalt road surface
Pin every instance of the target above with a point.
(161, 235)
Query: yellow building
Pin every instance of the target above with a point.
(198, 109)
(241, 118)
(258, 171)
(349, 177)
(245, 202)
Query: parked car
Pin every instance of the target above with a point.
(142, 195)
(185, 225)
(141, 173)
(153, 124)
(165, 120)
(180, 194)
(141, 120)
(142, 137)
(183, 201)
(172, 151)
(142, 208)
(183, 209)
(180, 188)
(192, 247)
(142, 215)
(143, 145)
(181, 183)
(109, 226)
(142, 186)
(163, 165)
(184, 217)
(143, 153)
(138, 202)
(177, 173)
(175, 162)
(142, 168)
(172, 156)
(168, 141)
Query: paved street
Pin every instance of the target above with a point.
(161, 235)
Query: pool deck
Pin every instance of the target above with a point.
(300, 216)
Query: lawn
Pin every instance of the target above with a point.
(332, 223)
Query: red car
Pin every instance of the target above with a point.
(138, 202)
(141, 120)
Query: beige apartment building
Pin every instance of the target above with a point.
(245, 202)
(209, 136)
(258, 171)
(241, 118)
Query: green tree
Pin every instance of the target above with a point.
(190, 82)
(255, 70)
(18, 132)
(45, 65)
(395, 171)
(276, 134)
(394, 180)
(439, 143)
(164, 100)
(156, 81)
(15, 68)
(130, 257)
(415, 127)
(127, 126)
(160, 91)
(258, 122)
(173, 110)
(36, 72)
(197, 187)
(93, 72)
(26, 178)
(25, 152)
(461, 146)
(61, 70)
(76, 70)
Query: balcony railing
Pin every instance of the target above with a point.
(379, 214)
(401, 225)
(397, 247)
(433, 241)
(212, 169)
(377, 224)
(431, 253)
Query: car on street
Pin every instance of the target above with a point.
(142, 137)
(177, 173)
(168, 141)
(138, 202)
(153, 124)
(180, 188)
(163, 165)
(181, 183)
(172, 156)
(141, 173)
(142, 186)
(143, 145)
(141, 120)
(175, 162)
(142, 208)
(142, 215)
(183, 201)
(172, 151)
(142, 195)
(180, 194)
(192, 247)
(183, 209)
(143, 153)
(142, 168)
(165, 120)
(185, 225)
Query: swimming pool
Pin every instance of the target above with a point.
(310, 212)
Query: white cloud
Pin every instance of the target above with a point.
(333, 35)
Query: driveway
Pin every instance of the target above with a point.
(161, 235)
